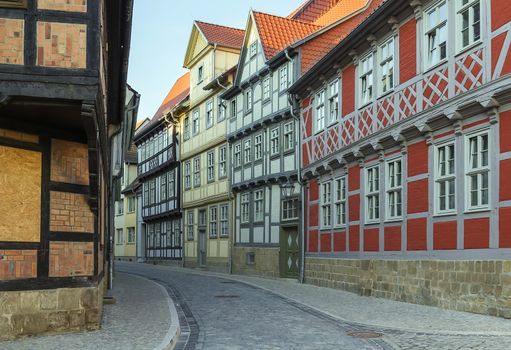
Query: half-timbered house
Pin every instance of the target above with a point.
(405, 190)
(159, 175)
(62, 96)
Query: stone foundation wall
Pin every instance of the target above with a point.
(266, 262)
(38, 312)
(482, 287)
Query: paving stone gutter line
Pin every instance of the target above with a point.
(356, 325)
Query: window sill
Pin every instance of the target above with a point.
(477, 210)
(393, 220)
(385, 94)
(436, 65)
(266, 100)
(274, 156)
(366, 104)
(461, 51)
(444, 214)
(372, 222)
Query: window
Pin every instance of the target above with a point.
(211, 166)
(188, 182)
(469, 22)
(333, 102)
(340, 201)
(258, 147)
(196, 172)
(289, 139)
(248, 100)
(266, 88)
(283, 79)
(320, 110)
(222, 162)
(233, 109)
(120, 207)
(195, 122)
(163, 187)
(247, 151)
(436, 34)
(290, 209)
(386, 51)
(120, 236)
(202, 217)
(237, 154)
(326, 204)
(253, 49)
(189, 226)
(245, 207)
(366, 79)
(210, 119)
(274, 142)
(152, 191)
(373, 194)
(131, 235)
(478, 171)
(200, 74)
(170, 184)
(131, 204)
(258, 205)
(394, 189)
(224, 220)
(221, 112)
(213, 228)
(445, 179)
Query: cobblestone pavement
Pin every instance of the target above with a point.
(318, 314)
(139, 320)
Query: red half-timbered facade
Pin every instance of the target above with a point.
(405, 145)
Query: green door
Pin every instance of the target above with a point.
(289, 253)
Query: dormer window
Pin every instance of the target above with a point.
(253, 49)
(200, 75)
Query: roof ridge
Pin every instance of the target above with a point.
(289, 19)
(220, 25)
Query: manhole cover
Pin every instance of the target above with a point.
(365, 335)
(227, 296)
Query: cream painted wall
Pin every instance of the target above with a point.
(127, 219)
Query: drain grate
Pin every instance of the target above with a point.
(227, 296)
(365, 334)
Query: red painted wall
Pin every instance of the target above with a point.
(354, 178)
(504, 183)
(505, 131)
(477, 233)
(505, 227)
(340, 241)
(371, 239)
(500, 13)
(392, 238)
(417, 158)
(418, 196)
(354, 207)
(354, 237)
(348, 90)
(313, 241)
(416, 234)
(408, 50)
(445, 235)
(326, 242)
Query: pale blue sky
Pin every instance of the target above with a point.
(161, 29)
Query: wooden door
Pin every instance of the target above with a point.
(289, 253)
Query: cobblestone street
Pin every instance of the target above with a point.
(224, 312)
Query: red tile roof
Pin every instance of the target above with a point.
(311, 10)
(221, 35)
(276, 33)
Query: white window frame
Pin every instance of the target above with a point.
(478, 171)
(248, 100)
(326, 204)
(253, 49)
(434, 30)
(211, 166)
(237, 154)
(290, 209)
(289, 136)
(386, 66)
(120, 236)
(171, 184)
(266, 89)
(258, 205)
(224, 220)
(222, 162)
(443, 176)
(468, 8)
(333, 102)
(372, 194)
(221, 112)
(258, 147)
(131, 236)
(213, 221)
(196, 171)
(320, 111)
(210, 118)
(247, 151)
(394, 189)
(366, 79)
(275, 141)
(340, 199)
(200, 74)
(131, 204)
(188, 175)
(195, 122)
(190, 228)
(234, 110)
(244, 208)
(283, 79)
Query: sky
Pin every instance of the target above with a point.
(161, 29)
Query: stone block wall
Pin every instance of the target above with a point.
(50, 311)
(266, 262)
(482, 287)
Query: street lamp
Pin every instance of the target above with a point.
(287, 188)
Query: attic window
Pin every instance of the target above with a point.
(253, 49)
(13, 3)
(200, 75)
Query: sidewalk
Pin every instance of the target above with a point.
(375, 312)
(139, 320)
